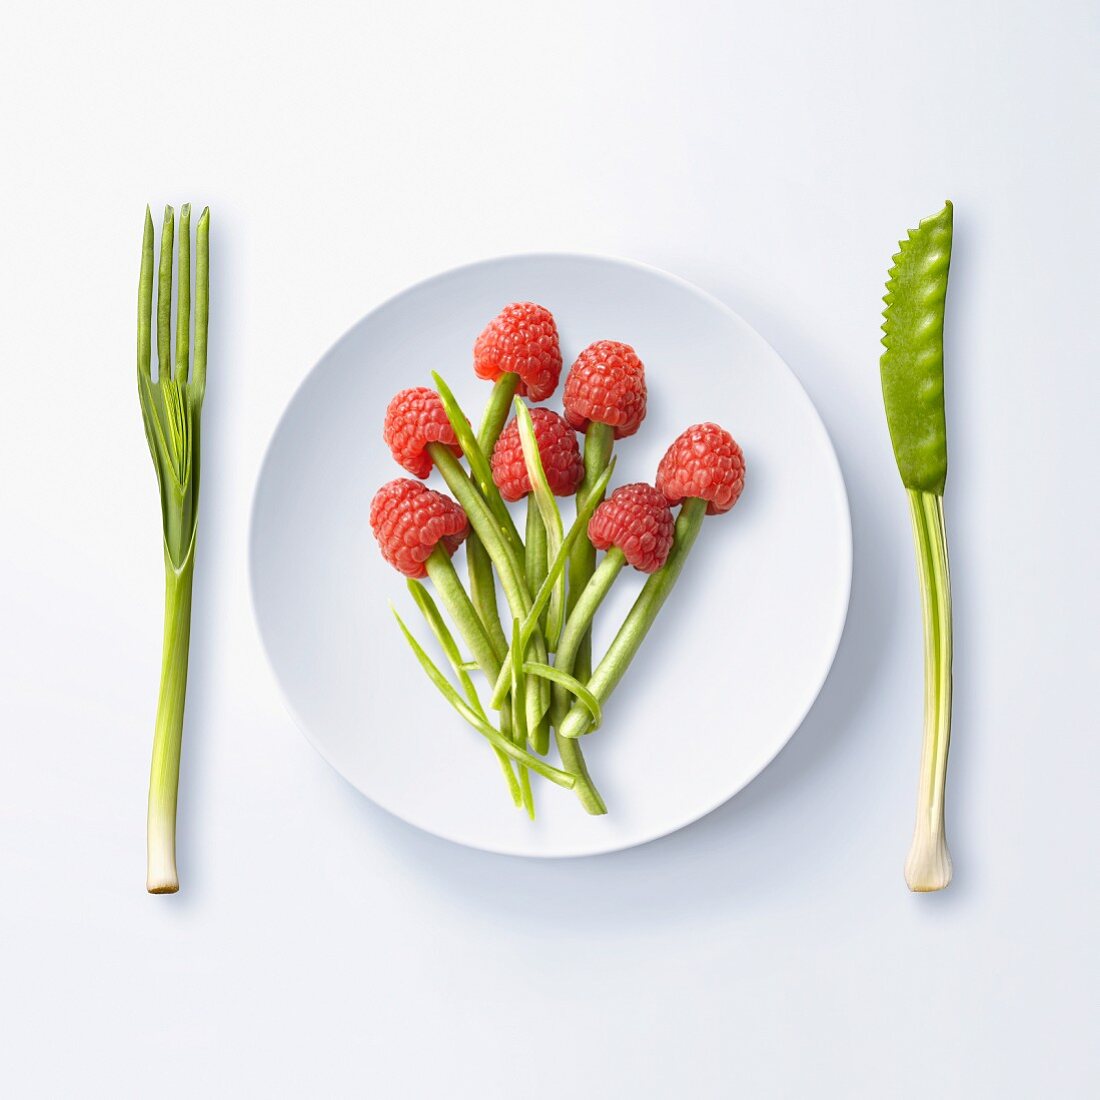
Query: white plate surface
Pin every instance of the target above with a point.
(738, 654)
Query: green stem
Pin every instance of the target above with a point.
(599, 439)
(534, 543)
(504, 557)
(483, 588)
(443, 635)
(523, 797)
(928, 866)
(639, 619)
(536, 569)
(577, 631)
(551, 518)
(496, 412)
(579, 624)
(481, 470)
(575, 688)
(464, 616)
(514, 718)
(527, 799)
(494, 736)
(557, 569)
(483, 591)
(540, 734)
(569, 749)
(520, 728)
(168, 732)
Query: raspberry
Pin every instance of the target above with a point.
(637, 519)
(561, 457)
(706, 462)
(415, 418)
(521, 339)
(606, 384)
(408, 519)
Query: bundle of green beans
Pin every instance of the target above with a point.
(515, 660)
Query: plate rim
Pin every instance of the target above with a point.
(846, 534)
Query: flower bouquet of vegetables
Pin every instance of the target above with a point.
(535, 652)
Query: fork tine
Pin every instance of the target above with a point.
(145, 299)
(183, 293)
(164, 295)
(202, 299)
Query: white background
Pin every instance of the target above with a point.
(772, 153)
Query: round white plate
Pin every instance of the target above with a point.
(732, 665)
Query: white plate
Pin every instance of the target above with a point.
(733, 664)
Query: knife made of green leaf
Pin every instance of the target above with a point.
(912, 389)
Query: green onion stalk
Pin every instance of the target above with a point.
(912, 388)
(171, 407)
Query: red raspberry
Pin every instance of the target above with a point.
(637, 519)
(521, 339)
(561, 457)
(408, 519)
(705, 461)
(415, 418)
(606, 384)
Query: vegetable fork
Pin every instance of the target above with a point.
(171, 408)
